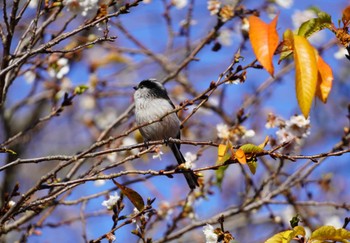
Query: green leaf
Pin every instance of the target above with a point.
(6, 150)
(329, 233)
(220, 173)
(294, 221)
(251, 148)
(133, 196)
(224, 154)
(314, 25)
(80, 89)
(252, 164)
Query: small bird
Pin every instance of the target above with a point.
(151, 103)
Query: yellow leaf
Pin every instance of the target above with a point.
(222, 153)
(305, 73)
(297, 230)
(329, 233)
(133, 196)
(263, 144)
(280, 237)
(240, 156)
(264, 39)
(286, 236)
(286, 47)
(324, 81)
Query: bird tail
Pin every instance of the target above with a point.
(191, 178)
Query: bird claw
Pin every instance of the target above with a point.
(146, 143)
(166, 141)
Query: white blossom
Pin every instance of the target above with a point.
(214, 6)
(11, 203)
(83, 7)
(179, 4)
(271, 11)
(210, 236)
(226, 13)
(284, 3)
(248, 133)
(245, 25)
(340, 54)
(99, 183)
(66, 85)
(111, 237)
(164, 210)
(112, 157)
(87, 102)
(59, 69)
(136, 220)
(273, 121)
(29, 76)
(106, 118)
(225, 37)
(136, 211)
(235, 81)
(222, 131)
(128, 141)
(283, 135)
(158, 154)
(190, 158)
(113, 199)
(296, 127)
(184, 22)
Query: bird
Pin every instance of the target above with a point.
(152, 103)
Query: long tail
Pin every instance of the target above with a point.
(191, 178)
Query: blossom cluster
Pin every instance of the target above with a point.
(233, 133)
(224, 10)
(83, 7)
(297, 127)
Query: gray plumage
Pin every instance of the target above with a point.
(151, 103)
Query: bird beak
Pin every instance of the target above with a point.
(135, 87)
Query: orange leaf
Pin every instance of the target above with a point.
(264, 39)
(346, 15)
(240, 156)
(325, 79)
(305, 73)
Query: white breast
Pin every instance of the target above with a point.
(152, 109)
